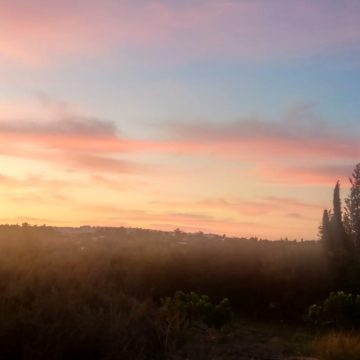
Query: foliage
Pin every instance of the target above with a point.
(352, 208)
(325, 231)
(195, 308)
(338, 234)
(338, 309)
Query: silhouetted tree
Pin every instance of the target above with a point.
(325, 231)
(352, 208)
(337, 227)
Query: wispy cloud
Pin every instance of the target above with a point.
(67, 138)
(299, 148)
(318, 174)
(71, 139)
(166, 220)
(35, 32)
(299, 133)
(235, 207)
(69, 126)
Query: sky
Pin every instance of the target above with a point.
(233, 117)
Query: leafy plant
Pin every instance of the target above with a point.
(195, 308)
(339, 309)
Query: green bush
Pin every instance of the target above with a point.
(339, 309)
(193, 308)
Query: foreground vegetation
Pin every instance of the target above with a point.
(113, 293)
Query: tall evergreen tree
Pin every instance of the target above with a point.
(352, 208)
(337, 215)
(337, 227)
(325, 232)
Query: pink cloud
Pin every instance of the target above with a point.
(68, 139)
(74, 140)
(307, 175)
(63, 136)
(299, 133)
(270, 205)
(35, 32)
(235, 206)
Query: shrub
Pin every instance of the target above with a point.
(339, 309)
(191, 308)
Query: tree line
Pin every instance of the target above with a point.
(340, 228)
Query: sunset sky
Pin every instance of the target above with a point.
(231, 117)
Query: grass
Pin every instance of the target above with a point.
(248, 340)
(338, 346)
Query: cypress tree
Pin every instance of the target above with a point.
(325, 233)
(352, 208)
(337, 227)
